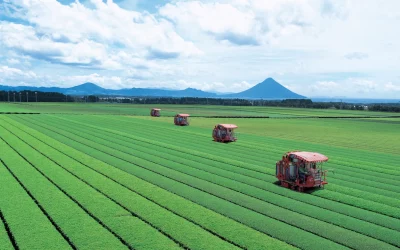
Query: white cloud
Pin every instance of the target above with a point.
(327, 85)
(349, 87)
(8, 72)
(24, 39)
(13, 61)
(251, 22)
(135, 74)
(356, 55)
(237, 87)
(14, 75)
(363, 83)
(392, 87)
(79, 35)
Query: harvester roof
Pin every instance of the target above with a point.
(309, 156)
(228, 125)
(156, 109)
(183, 115)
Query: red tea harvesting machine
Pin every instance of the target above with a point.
(224, 133)
(181, 119)
(155, 112)
(301, 170)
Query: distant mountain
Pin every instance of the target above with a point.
(189, 92)
(268, 89)
(21, 88)
(87, 88)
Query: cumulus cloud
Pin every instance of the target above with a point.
(14, 75)
(26, 40)
(83, 36)
(327, 85)
(136, 74)
(363, 83)
(237, 87)
(251, 22)
(8, 72)
(356, 55)
(13, 61)
(349, 87)
(392, 87)
(158, 54)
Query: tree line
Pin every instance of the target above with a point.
(33, 96)
(291, 103)
(38, 96)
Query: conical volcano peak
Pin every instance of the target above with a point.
(269, 88)
(269, 80)
(87, 85)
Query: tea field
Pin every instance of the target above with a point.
(108, 176)
(171, 110)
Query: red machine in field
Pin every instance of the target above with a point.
(224, 133)
(300, 170)
(155, 112)
(181, 119)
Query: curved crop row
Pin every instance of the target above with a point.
(173, 163)
(7, 240)
(279, 230)
(201, 132)
(312, 211)
(155, 214)
(207, 218)
(256, 205)
(65, 212)
(350, 184)
(238, 153)
(367, 216)
(98, 205)
(19, 212)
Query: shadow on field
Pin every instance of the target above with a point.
(18, 113)
(306, 191)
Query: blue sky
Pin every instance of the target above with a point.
(347, 48)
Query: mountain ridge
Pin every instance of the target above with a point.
(267, 89)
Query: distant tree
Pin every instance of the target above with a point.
(92, 98)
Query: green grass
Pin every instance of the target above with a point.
(96, 201)
(171, 110)
(5, 242)
(120, 171)
(83, 231)
(186, 209)
(309, 212)
(23, 214)
(5, 239)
